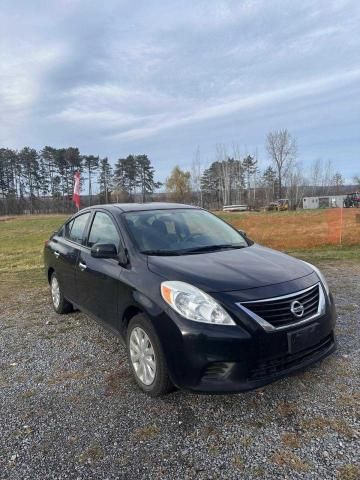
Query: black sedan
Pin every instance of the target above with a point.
(198, 304)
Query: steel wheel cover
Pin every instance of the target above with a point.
(142, 356)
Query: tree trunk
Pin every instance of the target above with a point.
(90, 192)
(279, 186)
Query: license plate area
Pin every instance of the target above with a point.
(304, 338)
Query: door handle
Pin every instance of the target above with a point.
(57, 254)
(82, 266)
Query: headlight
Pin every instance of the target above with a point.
(194, 304)
(321, 277)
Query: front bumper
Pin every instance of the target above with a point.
(219, 359)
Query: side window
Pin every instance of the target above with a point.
(77, 227)
(67, 229)
(103, 230)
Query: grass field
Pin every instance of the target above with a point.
(308, 234)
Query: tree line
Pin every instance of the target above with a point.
(42, 181)
(235, 178)
(32, 181)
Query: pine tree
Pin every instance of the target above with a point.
(269, 180)
(73, 161)
(8, 160)
(48, 157)
(29, 160)
(105, 179)
(250, 167)
(125, 175)
(145, 175)
(91, 164)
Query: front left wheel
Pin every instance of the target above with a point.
(146, 357)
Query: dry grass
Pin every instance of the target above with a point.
(28, 393)
(349, 400)
(114, 381)
(287, 409)
(63, 376)
(348, 472)
(291, 440)
(285, 458)
(147, 433)
(247, 441)
(91, 455)
(320, 425)
(238, 462)
(303, 229)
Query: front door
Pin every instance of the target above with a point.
(97, 279)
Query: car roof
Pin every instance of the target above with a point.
(133, 207)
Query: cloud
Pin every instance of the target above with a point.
(168, 76)
(313, 87)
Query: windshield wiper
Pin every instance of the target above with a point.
(211, 248)
(204, 248)
(160, 252)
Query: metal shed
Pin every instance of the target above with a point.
(326, 201)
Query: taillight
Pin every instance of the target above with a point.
(46, 243)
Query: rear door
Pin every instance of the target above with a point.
(98, 278)
(65, 249)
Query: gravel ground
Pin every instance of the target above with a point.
(70, 409)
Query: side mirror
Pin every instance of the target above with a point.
(123, 257)
(104, 250)
(249, 241)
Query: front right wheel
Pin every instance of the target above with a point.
(146, 357)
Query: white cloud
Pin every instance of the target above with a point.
(18, 86)
(315, 87)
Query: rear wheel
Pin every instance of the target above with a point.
(60, 304)
(146, 357)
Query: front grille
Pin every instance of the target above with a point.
(278, 365)
(277, 311)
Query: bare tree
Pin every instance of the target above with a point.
(239, 173)
(282, 149)
(337, 182)
(328, 176)
(224, 173)
(316, 175)
(296, 185)
(196, 173)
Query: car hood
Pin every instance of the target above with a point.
(227, 270)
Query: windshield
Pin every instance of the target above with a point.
(181, 231)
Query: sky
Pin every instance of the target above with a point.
(168, 78)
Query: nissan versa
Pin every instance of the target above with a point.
(198, 304)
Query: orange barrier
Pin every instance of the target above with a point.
(301, 229)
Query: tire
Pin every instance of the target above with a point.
(150, 371)
(59, 302)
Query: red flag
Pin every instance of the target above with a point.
(76, 196)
